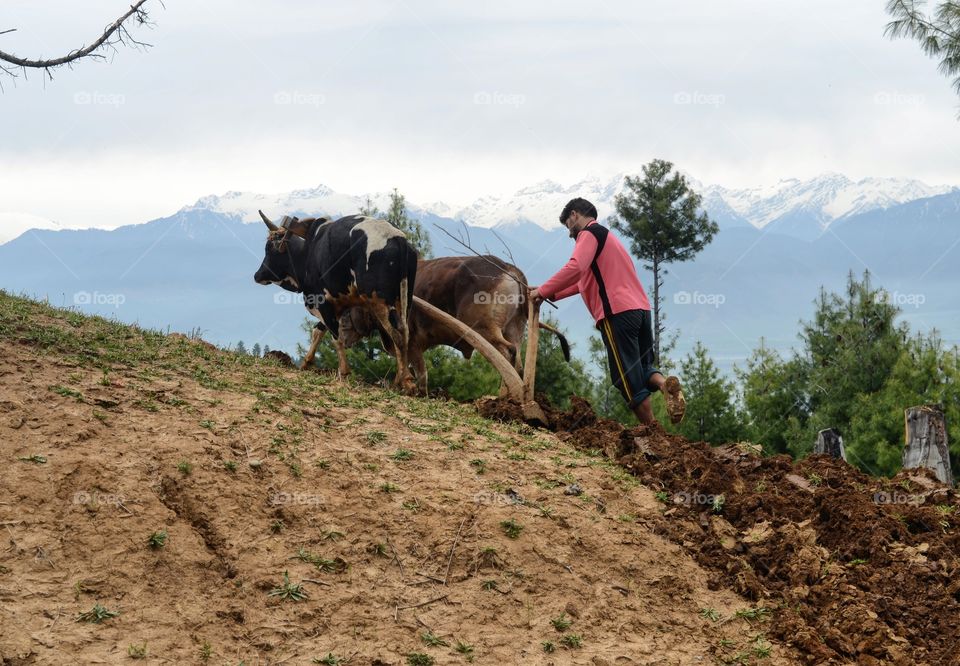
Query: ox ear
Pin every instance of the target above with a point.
(298, 227)
(266, 220)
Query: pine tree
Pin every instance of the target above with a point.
(661, 216)
(711, 414)
(256, 349)
(397, 216)
(369, 209)
(938, 32)
(266, 349)
(851, 344)
(775, 398)
(924, 373)
(241, 348)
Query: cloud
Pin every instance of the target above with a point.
(453, 101)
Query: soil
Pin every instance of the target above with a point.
(854, 569)
(392, 514)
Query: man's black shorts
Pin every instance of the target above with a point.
(628, 337)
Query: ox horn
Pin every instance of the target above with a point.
(266, 220)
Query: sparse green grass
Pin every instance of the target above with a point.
(146, 405)
(376, 437)
(511, 528)
(157, 540)
(377, 549)
(135, 651)
(718, 503)
(761, 647)
(97, 614)
(185, 468)
(35, 458)
(207, 423)
(336, 565)
(401, 454)
(758, 613)
(479, 465)
(561, 623)
(277, 526)
(662, 496)
(230, 465)
(419, 659)
(206, 651)
(489, 584)
(710, 614)
(288, 591)
(464, 649)
(330, 660)
(572, 641)
(67, 392)
(388, 487)
(431, 639)
(549, 647)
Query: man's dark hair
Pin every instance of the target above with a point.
(579, 205)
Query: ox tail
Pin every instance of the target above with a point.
(564, 345)
(406, 290)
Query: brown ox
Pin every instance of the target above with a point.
(485, 293)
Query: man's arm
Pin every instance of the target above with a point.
(564, 282)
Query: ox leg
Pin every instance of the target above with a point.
(402, 381)
(419, 369)
(315, 339)
(343, 368)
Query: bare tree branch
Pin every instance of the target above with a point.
(466, 244)
(113, 34)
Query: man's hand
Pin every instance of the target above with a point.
(534, 295)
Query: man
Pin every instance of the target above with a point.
(602, 272)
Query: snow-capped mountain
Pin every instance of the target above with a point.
(826, 198)
(813, 203)
(316, 200)
(541, 203)
(799, 208)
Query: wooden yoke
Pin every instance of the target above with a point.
(515, 387)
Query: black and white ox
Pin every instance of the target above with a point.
(354, 262)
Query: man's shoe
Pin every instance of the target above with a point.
(676, 404)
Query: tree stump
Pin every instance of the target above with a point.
(926, 441)
(829, 442)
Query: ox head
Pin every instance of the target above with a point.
(284, 242)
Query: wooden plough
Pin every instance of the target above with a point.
(517, 389)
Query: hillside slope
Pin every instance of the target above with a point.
(416, 528)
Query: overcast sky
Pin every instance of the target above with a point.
(454, 100)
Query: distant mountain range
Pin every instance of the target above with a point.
(758, 278)
(800, 208)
